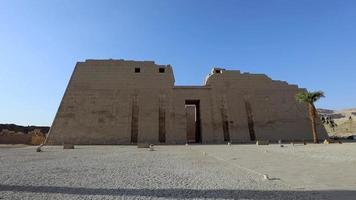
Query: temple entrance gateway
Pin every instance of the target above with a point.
(192, 110)
(130, 102)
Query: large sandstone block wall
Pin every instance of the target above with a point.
(124, 102)
(15, 139)
(258, 107)
(107, 101)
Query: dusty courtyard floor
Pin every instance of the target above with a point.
(178, 172)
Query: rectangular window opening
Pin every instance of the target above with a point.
(137, 70)
(161, 70)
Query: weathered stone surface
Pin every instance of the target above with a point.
(125, 102)
(68, 146)
(327, 141)
(262, 142)
(143, 145)
(37, 137)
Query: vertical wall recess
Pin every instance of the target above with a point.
(224, 120)
(250, 122)
(190, 114)
(134, 119)
(192, 108)
(162, 119)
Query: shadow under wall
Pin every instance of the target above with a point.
(184, 193)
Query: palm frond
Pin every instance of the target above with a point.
(314, 96)
(309, 97)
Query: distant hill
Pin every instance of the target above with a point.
(338, 115)
(345, 121)
(23, 129)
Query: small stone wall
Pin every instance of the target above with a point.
(35, 137)
(15, 139)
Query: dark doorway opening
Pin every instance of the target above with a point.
(192, 110)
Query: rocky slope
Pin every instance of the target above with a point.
(340, 123)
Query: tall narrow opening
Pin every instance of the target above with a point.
(250, 121)
(225, 124)
(134, 120)
(161, 121)
(192, 110)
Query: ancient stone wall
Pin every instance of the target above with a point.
(15, 139)
(124, 102)
(34, 137)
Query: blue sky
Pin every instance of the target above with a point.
(309, 43)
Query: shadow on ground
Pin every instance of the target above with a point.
(184, 193)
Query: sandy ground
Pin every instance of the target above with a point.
(179, 172)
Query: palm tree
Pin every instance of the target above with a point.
(309, 98)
